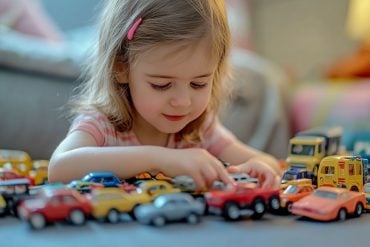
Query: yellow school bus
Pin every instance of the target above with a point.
(342, 171)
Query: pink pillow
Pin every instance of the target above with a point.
(28, 17)
(325, 104)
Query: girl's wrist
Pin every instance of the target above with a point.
(160, 158)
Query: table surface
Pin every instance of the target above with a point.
(271, 230)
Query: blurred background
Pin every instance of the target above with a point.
(303, 36)
(300, 64)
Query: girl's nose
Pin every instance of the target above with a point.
(181, 98)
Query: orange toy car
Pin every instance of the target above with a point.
(293, 193)
(329, 203)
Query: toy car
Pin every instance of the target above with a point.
(330, 203)
(170, 207)
(293, 174)
(108, 179)
(110, 203)
(6, 174)
(367, 195)
(39, 172)
(145, 176)
(55, 204)
(16, 159)
(3, 205)
(155, 188)
(84, 187)
(294, 193)
(244, 178)
(13, 191)
(242, 199)
(184, 183)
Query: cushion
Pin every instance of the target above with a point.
(345, 104)
(28, 17)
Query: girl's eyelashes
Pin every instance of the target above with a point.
(198, 85)
(162, 87)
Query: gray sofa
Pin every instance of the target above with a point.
(36, 80)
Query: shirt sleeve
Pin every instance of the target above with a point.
(216, 137)
(96, 124)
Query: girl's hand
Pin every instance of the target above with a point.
(257, 168)
(199, 165)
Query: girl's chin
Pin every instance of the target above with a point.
(172, 129)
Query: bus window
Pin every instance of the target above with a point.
(328, 170)
(351, 171)
(359, 169)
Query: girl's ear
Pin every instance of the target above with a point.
(120, 72)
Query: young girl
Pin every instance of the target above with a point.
(150, 102)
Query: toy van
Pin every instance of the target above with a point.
(342, 172)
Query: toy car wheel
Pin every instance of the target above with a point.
(359, 209)
(342, 214)
(37, 221)
(192, 218)
(159, 221)
(132, 213)
(274, 203)
(232, 211)
(77, 217)
(113, 216)
(289, 207)
(258, 208)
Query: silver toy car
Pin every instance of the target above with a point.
(244, 178)
(170, 207)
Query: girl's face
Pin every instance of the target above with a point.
(171, 86)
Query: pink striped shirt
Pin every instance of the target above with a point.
(215, 136)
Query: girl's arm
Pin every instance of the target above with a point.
(78, 155)
(253, 162)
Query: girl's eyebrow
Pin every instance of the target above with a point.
(173, 77)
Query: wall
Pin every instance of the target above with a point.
(303, 35)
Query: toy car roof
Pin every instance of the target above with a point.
(17, 181)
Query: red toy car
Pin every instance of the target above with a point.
(54, 204)
(242, 199)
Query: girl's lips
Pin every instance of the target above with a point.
(174, 117)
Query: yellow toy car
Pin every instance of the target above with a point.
(302, 181)
(39, 172)
(84, 187)
(110, 203)
(2, 205)
(155, 188)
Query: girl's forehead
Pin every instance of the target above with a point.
(198, 54)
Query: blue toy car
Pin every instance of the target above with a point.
(107, 179)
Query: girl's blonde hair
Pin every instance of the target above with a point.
(163, 22)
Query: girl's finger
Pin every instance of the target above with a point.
(209, 174)
(223, 175)
(233, 169)
(199, 182)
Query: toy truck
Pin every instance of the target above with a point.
(308, 148)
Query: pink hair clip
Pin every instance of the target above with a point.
(131, 32)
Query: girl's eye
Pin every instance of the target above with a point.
(160, 87)
(198, 85)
